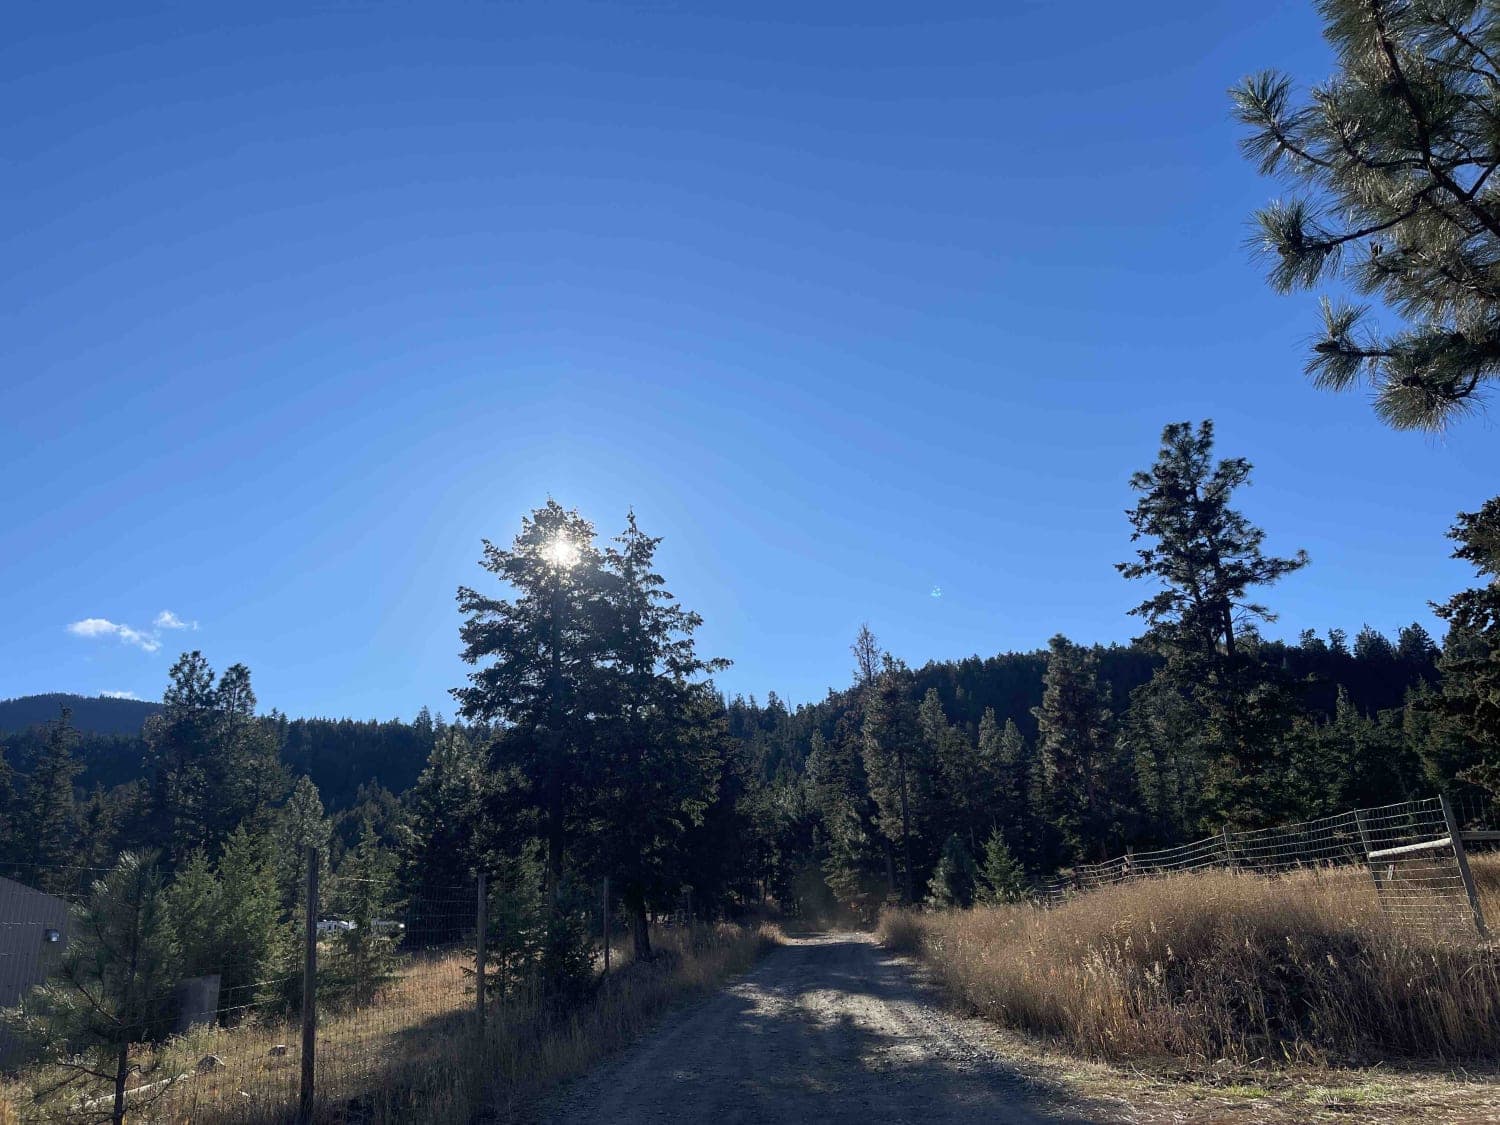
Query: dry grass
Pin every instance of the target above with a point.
(414, 1054)
(1221, 966)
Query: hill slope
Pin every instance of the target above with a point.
(92, 715)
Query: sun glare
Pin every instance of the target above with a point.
(561, 552)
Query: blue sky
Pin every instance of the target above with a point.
(851, 302)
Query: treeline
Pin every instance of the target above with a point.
(940, 781)
(341, 756)
(591, 743)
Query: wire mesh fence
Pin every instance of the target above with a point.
(1414, 851)
(402, 984)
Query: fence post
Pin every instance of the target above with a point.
(1364, 840)
(1228, 850)
(309, 991)
(1462, 857)
(481, 952)
(606, 925)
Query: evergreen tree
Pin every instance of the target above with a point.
(114, 986)
(194, 905)
(10, 841)
(227, 919)
(246, 772)
(1080, 776)
(1207, 561)
(211, 764)
(1394, 155)
(894, 764)
(854, 858)
(1415, 647)
(1001, 878)
(49, 820)
(662, 734)
(955, 878)
(1162, 733)
(1006, 768)
(1470, 699)
(365, 894)
(444, 836)
(965, 790)
(296, 826)
(179, 743)
(253, 943)
(536, 657)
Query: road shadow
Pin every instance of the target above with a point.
(827, 1031)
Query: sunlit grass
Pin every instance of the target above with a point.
(414, 1054)
(1219, 965)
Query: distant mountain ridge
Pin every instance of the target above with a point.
(90, 714)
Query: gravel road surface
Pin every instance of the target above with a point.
(829, 1029)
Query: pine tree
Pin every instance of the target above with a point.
(445, 835)
(1394, 155)
(1470, 699)
(10, 837)
(246, 772)
(537, 656)
(1080, 773)
(296, 826)
(252, 943)
(1207, 561)
(365, 894)
(966, 792)
(1005, 762)
(662, 736)
(211, 764)
(840, 788)
(49, 815)
(1162, 733)
(955, 878)
(1001, 878)
(195, 905)
(114, 986)
(178, 748)
(897, 771)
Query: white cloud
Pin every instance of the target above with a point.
(166, 619)
(93, 627)
(103, 627)
(118, 695)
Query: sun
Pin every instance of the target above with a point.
(561, 552)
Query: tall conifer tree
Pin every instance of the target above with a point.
(1393, 158)
(1206, 560)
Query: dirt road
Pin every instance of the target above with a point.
(830, 1029)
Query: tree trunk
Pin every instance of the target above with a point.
(122, 1073)
(640, 930)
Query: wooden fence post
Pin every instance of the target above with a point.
(309, 992)
(481, 951)
(1459, 854)
(1228, 850)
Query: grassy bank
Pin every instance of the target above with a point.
(1218, 965)
(412, 1055)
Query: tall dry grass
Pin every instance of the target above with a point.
(413, 1055)
(1223, 965)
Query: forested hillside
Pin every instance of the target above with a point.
(91, 714)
